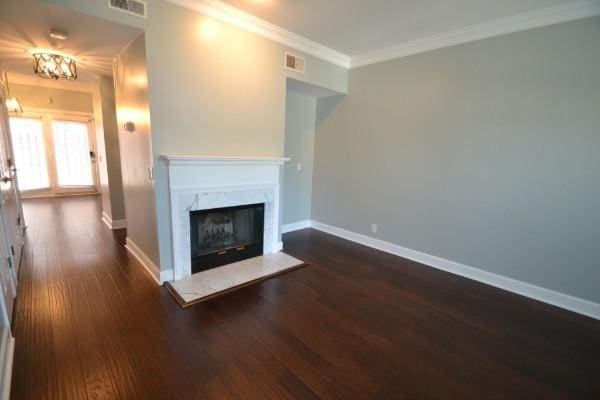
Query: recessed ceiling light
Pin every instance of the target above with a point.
(58, 34)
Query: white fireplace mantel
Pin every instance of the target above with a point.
(205, 182)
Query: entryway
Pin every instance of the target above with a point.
(55, 154)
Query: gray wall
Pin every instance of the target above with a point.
(300, 114)
(487, 154)
(131, 94)
(109, 158)
(223, 95)
(51, 98)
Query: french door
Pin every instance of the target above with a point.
(54, 154)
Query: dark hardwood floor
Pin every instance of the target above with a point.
(355, 324)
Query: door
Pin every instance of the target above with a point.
(7, 273)
(11, 221)
(73, 155)
(54, 154)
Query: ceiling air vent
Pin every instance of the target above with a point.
(134, 7)
(294, 63)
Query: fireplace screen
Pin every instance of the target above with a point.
(224, 235)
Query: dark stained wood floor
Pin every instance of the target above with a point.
(356, 324)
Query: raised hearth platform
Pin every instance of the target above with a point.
(208, 284)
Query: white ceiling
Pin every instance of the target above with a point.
(25, 24)
(356, 27)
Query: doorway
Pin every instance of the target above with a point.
(55, 154)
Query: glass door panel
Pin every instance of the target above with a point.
(30, 156)
(72, 153)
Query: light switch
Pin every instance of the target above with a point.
(299, 167)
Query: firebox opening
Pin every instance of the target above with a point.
(221, 236)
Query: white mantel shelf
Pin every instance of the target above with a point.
(206, 160)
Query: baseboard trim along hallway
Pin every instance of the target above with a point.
(153, 270)
(113, 224)
(548, 296)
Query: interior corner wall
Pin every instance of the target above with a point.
(131, 96)
(300, 119)
(109, 158)
(213, 91)
(220, 93)
(484, 153)
(103, 186)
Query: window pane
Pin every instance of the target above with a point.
(30, 157)
(72, 152)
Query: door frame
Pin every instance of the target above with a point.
(46, 116)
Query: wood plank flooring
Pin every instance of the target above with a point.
(358, 324)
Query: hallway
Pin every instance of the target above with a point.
(357, 323)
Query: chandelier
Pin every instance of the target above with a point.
(54, 65)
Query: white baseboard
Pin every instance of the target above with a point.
(296, 226)
(113, 224)
(6, 364)
(155, 273)
(558, 299)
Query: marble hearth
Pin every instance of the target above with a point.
(203, 183)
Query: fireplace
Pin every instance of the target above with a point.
(199, 183)
(221, 236)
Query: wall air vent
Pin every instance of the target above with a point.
(133, 7)
(294, 63)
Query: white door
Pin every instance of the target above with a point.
(54, 154)
(10, 210)
(7, 274)
(73, 155)
(10, 203)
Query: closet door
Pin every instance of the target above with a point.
(10, 203)
(10, 235)
(7, 273)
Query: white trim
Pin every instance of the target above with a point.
(561, 300)
(547, 16)
(19, 79)
(296, 226)
(82, 116)
(6, 364)
(205, 160)
(113, 224)
(573, 10)
(236, 17)
(155, 273)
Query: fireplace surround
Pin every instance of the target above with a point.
(199, 183)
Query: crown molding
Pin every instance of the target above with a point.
(19, 79)
(236, 17)
(547, 16)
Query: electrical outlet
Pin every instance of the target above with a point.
(299, 167)
(374, 228)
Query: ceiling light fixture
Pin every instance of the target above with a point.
(53, 64)
(12, 103)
